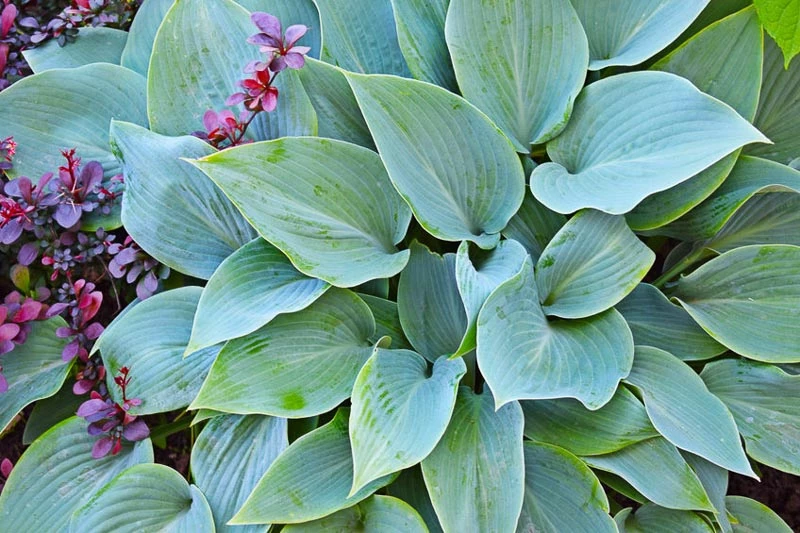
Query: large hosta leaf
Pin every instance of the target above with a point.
(568, 424)
(748, 299)
(151, 497)
(539, 55)
(534, 226)
(765, 402)
(299, 365)
(420, 33)
(475, 476)
(326, 204)
(683, 410)
(229, 457)
(629, 31)
(651, 518)
(592, 263)
(58, 469)
(53, 111)
(522, 355)
(400, 411)
(172, 210)
(458, 191)
(250, 288)
(311, 479)
(753, 517)
(632, 135)
(150, 340)
(142, 35)
(561, 494)
(33, 370)
(377, 513)
(93, 45)
(198, 59)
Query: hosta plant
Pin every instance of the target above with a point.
(521, 265)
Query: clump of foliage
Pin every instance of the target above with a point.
(463, 267)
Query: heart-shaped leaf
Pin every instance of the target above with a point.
(376, 513)
(420, 33)
(92, 45)
(142, 35)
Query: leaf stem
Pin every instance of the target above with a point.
(165, 430)
(683, 264)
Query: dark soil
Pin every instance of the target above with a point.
(778, 491)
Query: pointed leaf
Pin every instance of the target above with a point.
(715, 482)
(387, 322)
(534, 225)
(781, 19)
(377, 513)
(142, 35)
(93, 45)
(326, 204)
(752, 516)
(651, 518)
(420, 33)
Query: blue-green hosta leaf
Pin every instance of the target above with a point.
(778, 113)
(522, 355)
(420, 33)
(150, 340)
(480, 274)
(250, 288)
(748, 299)
(684, 411)
(145, 497)
(715, 482)
(568, 424)
(657, 322)
(781, 19)
(534, 225)
(51, 111)
(399, 411)
(34, 370)
(387, 321)
(327, 204)
(591, 264)
(765, 402)
(627, 32)
(429, 304)
(172, 210)
(291, 12)
(377, 513)
(539, 55)
(142, 35)
(229, 457)
(561, 494)
(93, 45)
(467, 190)
(269, 371)
(58, 468)
(754, 517)
(410, 487)
(632, 135)
(656, 459)
(198, 59)
(360, 36)
(475, 476)
(310, 480)
(651, 518)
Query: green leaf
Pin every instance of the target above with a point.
(591, 264)
(387, 321)
(467, 190)
(539, 55)
(192, 72)
(781, 19)
(657, 322)
(684, 411)
(229, 457)
(360, 36)
(310, 480)
(92, 45)
(172, 210)
(656, 459)
(327, 204)
(534, 225)
(58, 469)
(51, 111)
(765, 403)
(429, 304)
(291, 12)
(568, 424)
(150, 340)
(522, 355)
(632, 31)
(648, 143)
(475, 476)
(34, 370)
(747, 299)
(410, 487)
(715, 483)
(778, 113)
(400, 410)
(420, 33)
(377, 513)
(651, 518)
(150, 497)
(754, 517)
(561, 493)
(142, 35)
(250, 288)
(49, 411)
(269, 371)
